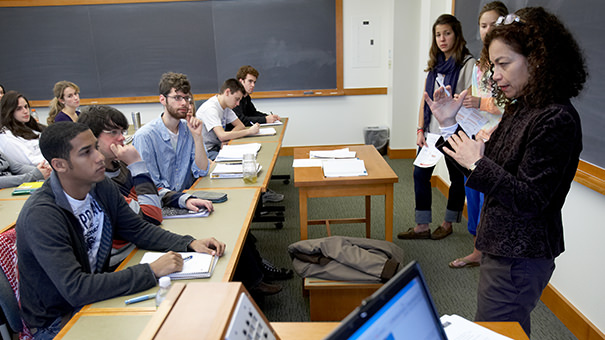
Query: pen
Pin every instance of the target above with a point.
(441, 85)
(185, 259)
(140, 298)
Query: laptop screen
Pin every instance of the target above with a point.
(401, 309)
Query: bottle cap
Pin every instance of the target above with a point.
(164, 282)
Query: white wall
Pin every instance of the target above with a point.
(404, 38)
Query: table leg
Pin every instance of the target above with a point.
(368, 216)
(302, 208)
(388, 213)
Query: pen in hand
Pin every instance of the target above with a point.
(441, 85)
(185, 259)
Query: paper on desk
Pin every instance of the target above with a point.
(306, 162)
(340, 153)
(266, 132)
(236, 152)
(344, 168)
(277, 122)
(459, 328)
(428, 155)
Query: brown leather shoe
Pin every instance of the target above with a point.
(440, 233)
(410, 234)
(265, 289)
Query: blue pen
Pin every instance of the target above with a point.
(140, 298)
(187, 258)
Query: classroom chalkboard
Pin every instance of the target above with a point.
(121, 50)
(584, 19)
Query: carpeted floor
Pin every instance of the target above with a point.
(453, 290)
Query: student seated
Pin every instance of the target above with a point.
(246, 111)
(217, 112)
(171, 145)
(13, 174)
(124, 166)
(64, 235)
(20, 132)
(65, 103)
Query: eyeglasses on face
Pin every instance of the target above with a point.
(116, 132)
(508, 19)
(179, 98)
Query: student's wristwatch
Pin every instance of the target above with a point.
(474, 165)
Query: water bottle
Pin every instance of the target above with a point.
(34, 115)
(163, 291)
(249, 168)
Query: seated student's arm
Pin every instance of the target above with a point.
(145, 144)
(20, 173)
(248, 116)
(195, 126)
(239, 131)
(182, 200)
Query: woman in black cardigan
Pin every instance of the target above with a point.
(526, 168)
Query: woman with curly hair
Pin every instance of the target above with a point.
(450, 63)
(20, 132)
(65, 103)
(526, 168)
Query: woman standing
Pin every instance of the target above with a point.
(526, 168)
(450, 63)
(481, 98)
(64, 106)
(20, 132)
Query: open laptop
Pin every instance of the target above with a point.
(400, 309)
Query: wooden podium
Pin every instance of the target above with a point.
(199, 310)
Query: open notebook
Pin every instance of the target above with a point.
(195, 265)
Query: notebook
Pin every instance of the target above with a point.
(27, 188)
(401, 309)
(170, 212)
(195, 265)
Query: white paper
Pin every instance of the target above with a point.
(266, 132)
(306, 162)
(328, 154)
(344, 168)
(230, 170)
(470, 120)
(277, 122)
(200, 265)
(459, 328)
(429, 155)
(235, 152)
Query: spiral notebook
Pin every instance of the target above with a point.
(195, 265)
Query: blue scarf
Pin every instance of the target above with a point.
(451, 71)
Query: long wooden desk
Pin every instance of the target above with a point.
(10, 206)
(228, 223)
(311, 182)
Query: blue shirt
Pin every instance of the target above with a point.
(169, 168)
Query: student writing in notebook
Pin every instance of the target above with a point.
(246, 111)
(125, 167)
(217, 112)
(65, 230)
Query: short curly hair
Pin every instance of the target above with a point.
(557, 68)
(171, 80)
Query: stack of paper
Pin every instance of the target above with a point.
(230, 153)
(344, 168)
(457, 327)
(230, 170)
(277, 122)
(266, 132)
(340, 153)
(195, 265)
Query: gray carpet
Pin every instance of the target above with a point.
(453, 290)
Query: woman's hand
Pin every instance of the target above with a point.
(464, 150)
(420, 141)
(472, 102)
(445, 107)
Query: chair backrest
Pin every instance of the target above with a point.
(9, 283)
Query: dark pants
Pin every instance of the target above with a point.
(510, 288)
(423, 192)
(249, 267)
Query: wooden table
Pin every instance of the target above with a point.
(311, 182)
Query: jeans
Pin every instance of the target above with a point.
(48, 333)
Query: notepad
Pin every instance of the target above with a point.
(235, 152)
(329, 154)
(266, 132)
(27, 188)
(199, 266)
(170, 212)
(277, 122)
(228, 170)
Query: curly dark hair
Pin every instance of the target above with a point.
(460, 50)
(246, 70)
(557, 69)
(171, 80)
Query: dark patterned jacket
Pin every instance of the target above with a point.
(526, 173)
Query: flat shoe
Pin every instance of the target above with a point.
(462, 263)
(410, 234)
(440, 233)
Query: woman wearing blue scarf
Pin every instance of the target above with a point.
(450, 63)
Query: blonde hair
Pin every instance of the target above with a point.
(55, 105)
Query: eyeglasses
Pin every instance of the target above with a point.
(116, 133)
(508, 19)
(179, 98)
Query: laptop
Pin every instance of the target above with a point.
(401, 309)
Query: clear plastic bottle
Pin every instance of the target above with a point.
(34, 114)
(163, 291)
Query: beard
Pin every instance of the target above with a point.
(174, 112)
